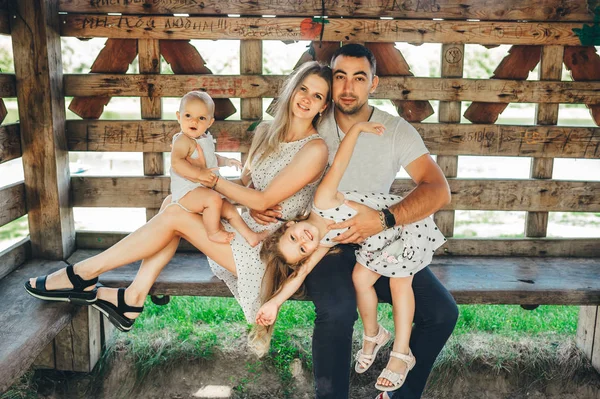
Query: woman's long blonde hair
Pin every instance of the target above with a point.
(269, 135)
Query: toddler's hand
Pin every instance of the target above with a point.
(207, 177)
(233, 162)
(267, 314)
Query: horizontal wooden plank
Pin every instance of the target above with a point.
(440, 139)
(148, 136)
(10, 142)
(400, 88)
(467, 194)
(27, 324)
(8, 85)
(517, 10)
(12, 202)
(470, 279)
(346, 29)
(562, 247)
(14, 256)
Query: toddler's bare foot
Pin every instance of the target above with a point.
(255, 238)
(221, 236)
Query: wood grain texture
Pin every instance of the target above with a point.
(14, 256)
(8, 85)
(470, 279)
(532, 10)
(340, 30)
(584, 64)
(10, 142)
(27, 324)
(586, 327)
(251, 63)
(12, 202)
(401, 88)
(467, 194)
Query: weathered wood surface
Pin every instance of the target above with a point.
(27, 324)
(349, 29)
(251, 63)
(517, 10)
(586, 328)
(390, 62)
(12, 202)
(10, 142)
(516, 65)
(14, 256)
(4, 23)
(3, 111)
(115, 57)
(469, 279)
(401, 88)
(78, 346)
(562, 247)
(38, 70)
(467, 194)
(584, 64)
(8, 85)
(185, 59)
(151, 136)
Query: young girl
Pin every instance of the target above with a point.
(193, 158)
(398, 253)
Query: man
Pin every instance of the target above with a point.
(374, 165)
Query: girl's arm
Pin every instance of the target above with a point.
(326, 195)
(306, 167)
(183, 148)
(268, 311)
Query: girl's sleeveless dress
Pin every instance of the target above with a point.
(250, 269)
(400, 251)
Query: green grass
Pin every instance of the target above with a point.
(18, 228)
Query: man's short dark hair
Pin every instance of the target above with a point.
(357, 51)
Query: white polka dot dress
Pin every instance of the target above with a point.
(397, 252)
(250, 269)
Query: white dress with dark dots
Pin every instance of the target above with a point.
(397, 252)
(250, 269)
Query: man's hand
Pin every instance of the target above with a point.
(207, 177)
(362, 226)
(266, 217)
(267, 314)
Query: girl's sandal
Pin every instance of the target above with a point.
(77, 294)
(396, 379)
(363, 360)
(116, 314)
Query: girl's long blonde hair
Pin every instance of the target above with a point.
(269, 135)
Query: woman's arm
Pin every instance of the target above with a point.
(326, 195)
(306, 167)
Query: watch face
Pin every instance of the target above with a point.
(390, 220)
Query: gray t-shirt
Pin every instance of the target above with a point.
(376, 159)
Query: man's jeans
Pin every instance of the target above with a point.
(330, 288)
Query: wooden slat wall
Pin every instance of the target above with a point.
(14, 256)
(401, 88)
(10, 142)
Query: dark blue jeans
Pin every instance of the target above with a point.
(330, 288)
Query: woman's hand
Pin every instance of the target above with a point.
(369, 127)
(268, 216)
(267, 314)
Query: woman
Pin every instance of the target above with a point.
(285, 164)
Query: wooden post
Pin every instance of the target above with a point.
(452, 67)
(149, 58)
(588, 333)
(251, 63)
(38, 69)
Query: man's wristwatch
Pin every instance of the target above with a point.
(389, 218)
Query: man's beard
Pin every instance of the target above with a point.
(351, 110)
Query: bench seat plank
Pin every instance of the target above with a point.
(477, 280)
(27, 324)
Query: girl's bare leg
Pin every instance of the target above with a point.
(403, 302)
(208, 202)
(230, 213)
(366, 299)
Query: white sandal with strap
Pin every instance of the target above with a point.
(396, 379)
(363, 360)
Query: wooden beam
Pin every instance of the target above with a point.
(251, 55)
(516, 65)
(347, 29)
(588, 334)
(467, 194)
(536, 223)
(8, 85)
(38, 70)
(402, 88)
(10, 142)
(150, 136)
(515, 10)
(115, 57)
(14, 256)
(78, 346)
(12, 202)
(4, 23)
(445, 139)
(186, 60)
(584, 64)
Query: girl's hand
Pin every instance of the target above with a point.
(369, 127)
(267, 314)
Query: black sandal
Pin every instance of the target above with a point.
(116, 314)
(77, 294)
